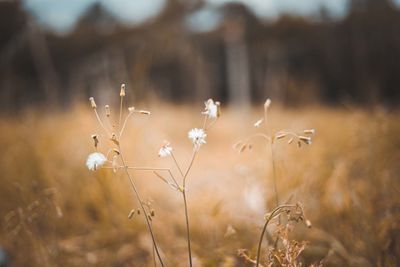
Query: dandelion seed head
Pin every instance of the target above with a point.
(197, 136)
(165, 150)
(211, 109)
(95, 160)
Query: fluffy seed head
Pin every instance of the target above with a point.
(197, 136)
(165, 150)
(212, 109)
(95, 160)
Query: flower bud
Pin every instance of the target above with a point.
(122, 92)
(92, 103)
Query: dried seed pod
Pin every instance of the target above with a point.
(280, 136)
(267, 103)
(305, 139)
(114, 139)
(309, 131)
(131, 213)
(92, 102)
(144, 112)
(122, 92)
(95, 138)
(108, 112)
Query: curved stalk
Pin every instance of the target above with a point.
(275, 212)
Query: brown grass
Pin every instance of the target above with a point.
(55, 212)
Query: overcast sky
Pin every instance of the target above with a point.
(61, 15)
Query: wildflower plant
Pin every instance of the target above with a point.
(198, 138)
(291, 210)
(114, 158)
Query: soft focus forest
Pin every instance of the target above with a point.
(309, 177)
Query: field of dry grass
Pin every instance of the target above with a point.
(55, 212)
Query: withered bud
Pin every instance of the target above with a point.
(309, 131)
(122, 92)
(267, 103)
(95, 138)
(108, 112)
(131, 109)
(280, 136)
(138, 212)
(144, 112)
(131, 213)
(305, 139)
(92, 102)
(114, 139)
(308, 223)
(242, 148)
(116, 151)
(152, 213)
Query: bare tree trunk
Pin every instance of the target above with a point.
(43, 63)
(237, 62)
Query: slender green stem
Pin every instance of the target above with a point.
(142, 207)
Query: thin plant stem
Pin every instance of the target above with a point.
(273, 214)
(142, 207)
(101, 123)
(120, 112)
(177, 165)
(186, 206)
(271, 142)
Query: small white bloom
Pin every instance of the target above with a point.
(95, 160)
(198, 137)
(165, 150)
(258, 123)
(211, 109)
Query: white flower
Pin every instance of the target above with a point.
(258, 123)
(165, 150)
(198, 137)
(211, 109)
(95, 160)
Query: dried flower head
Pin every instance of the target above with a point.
(212, 109)
(197, 136)
(165, 150)
(95, 160)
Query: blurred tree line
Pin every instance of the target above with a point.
(243, 60)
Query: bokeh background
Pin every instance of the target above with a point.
(329, 65)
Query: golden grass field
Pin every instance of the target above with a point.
(55, 212)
